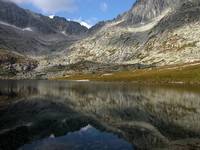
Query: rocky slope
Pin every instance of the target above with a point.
(12, 63)
(160, 32)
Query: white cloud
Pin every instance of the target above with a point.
(104, 6)
(51, 6)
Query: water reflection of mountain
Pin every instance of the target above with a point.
(173, 112)
(147, 116)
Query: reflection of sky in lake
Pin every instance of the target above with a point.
(87, 138)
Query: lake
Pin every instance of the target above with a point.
(98, 116)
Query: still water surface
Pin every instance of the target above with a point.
(96, 115)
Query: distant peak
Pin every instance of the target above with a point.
(51, 16)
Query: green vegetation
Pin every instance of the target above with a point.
(188, 73)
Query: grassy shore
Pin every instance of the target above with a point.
(187, 73)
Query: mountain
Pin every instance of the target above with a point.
(152, 33)
(159, 32)
(30, 33)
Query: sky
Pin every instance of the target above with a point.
(87, 12)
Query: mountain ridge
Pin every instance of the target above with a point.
(23, 18)
(33, 34)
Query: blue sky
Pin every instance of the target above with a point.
(88, 11)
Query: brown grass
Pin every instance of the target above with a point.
(189, 73)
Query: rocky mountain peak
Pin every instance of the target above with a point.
(145, 10)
